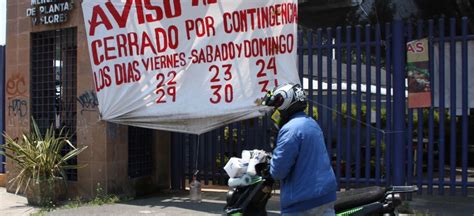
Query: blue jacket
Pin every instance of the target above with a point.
(300, 160)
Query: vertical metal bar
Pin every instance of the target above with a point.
(329, 117)
(174, 162)
(221, 142)
(182, 164)
(348, 106)
(442, 106)
(453, 107)
(176, 158)
(247, 140)
(179, 164)
(465, 99)
(339, 104)
(388, 105)
(300, 56)
(419, 157)
(174, 169)
(358, 101)
(239, 138)
(192, 156)
(398, 102)
(419, 149)
(213, 155)
(378, 103)
(260, 132)
(255, 133)
(265, 132)
(319, 98)
(431, 113)
(310, 72)
(368, 101)
(409, 137)
(205, 157)
(410, 125)
(187, 163)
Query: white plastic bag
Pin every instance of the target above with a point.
(235, 167)
(257, 156)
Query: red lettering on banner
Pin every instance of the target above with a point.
(133, 43)
(170, 13)
(121, 19)
(109, 48)
(203, 27)
(123, 45)
(102, 78)
(258, 18)
(169, 89)
(146, 43)
(262, 73)
(127, 72)
(175, 60)
(217, 91)
(256, 47)
(158, 12)
(97, 13)
(196, 2)
(97, 59)
(169, 38)
(172, 9)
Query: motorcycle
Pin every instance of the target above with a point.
(375, 200)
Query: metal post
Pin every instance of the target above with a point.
(399, 103)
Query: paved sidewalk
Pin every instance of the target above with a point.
(13, 205)
(213, 204)
(443, 205)
(163, 205)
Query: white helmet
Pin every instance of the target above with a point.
(285, 96)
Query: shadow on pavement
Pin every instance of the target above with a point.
(164, 204)
(212, 203)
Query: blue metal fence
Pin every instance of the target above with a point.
(360, 101)
(2, 103)
(438, 144)
(209, 152)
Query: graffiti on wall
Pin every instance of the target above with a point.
(89, 113)
(16, 86)
(17, 103)
(17, 107)
(88, 101)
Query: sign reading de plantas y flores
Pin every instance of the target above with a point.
(49, 11)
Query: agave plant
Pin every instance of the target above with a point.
(40, 158)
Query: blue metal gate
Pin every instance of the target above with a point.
(355, 78)
(209, 152)
(438, 143)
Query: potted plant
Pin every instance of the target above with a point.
(41, 161)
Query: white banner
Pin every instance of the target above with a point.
(188, 65)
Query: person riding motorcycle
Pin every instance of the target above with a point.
(300, 159)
